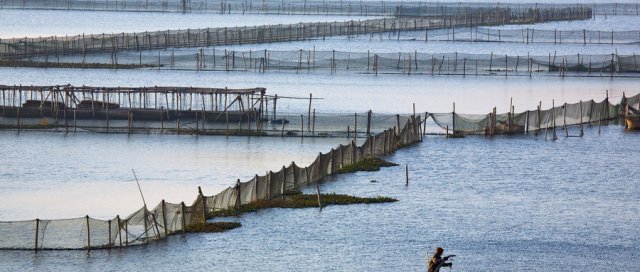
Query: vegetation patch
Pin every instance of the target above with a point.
(366, 164)
(298, 200)
(457, 135)
(214, 227)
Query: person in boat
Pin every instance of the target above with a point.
(438, 261)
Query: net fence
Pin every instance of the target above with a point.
(165, 219)
(179, 110)
(533, 35)
(304, 7)
(331, 62)
(100, 43)
(574, 114)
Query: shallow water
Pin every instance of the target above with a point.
(503, 203)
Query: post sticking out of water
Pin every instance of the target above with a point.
(406, 174)
(319, 198)
(309, 114)
(238, 195)
(37, 234)
(368, 122)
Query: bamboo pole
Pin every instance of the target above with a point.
(164, 218)
(406, 174)
(184, 222)
(37, 234)
(319, 198)
(88, 234)
(309, 114)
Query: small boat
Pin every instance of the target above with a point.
(632, 122)
(632, 118)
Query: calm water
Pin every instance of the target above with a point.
(415, 41)
(349, 93)
(56, 175)
(503, 204)
(34, 23)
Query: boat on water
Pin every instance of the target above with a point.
(632, 118)
(632, 122)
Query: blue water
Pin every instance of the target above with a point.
(51, 175)
(504, 204)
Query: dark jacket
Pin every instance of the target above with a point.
(436, 262)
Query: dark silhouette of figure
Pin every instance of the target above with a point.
(437, 261)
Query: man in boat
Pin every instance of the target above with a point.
(438, 261)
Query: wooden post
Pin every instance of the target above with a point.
(355, 126)
(581, 126)
(275, 101)
(564, 120)
(506, 68)
(301, 126)
(406, 174)
(88, 234)
(453, 119)
(204, 206)
(539, 114)
(553, 107)
(37, 234)
(184, 220)
(318, 194)
(164, 218)
(369, 123)
(309, 114)
(119, 230)
(238, 195)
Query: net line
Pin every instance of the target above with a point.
(145, 225)
(565, 115)
(334, 61)
(15, 48)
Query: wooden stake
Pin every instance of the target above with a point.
(319, 198)
(309, 114)
(406, 174)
